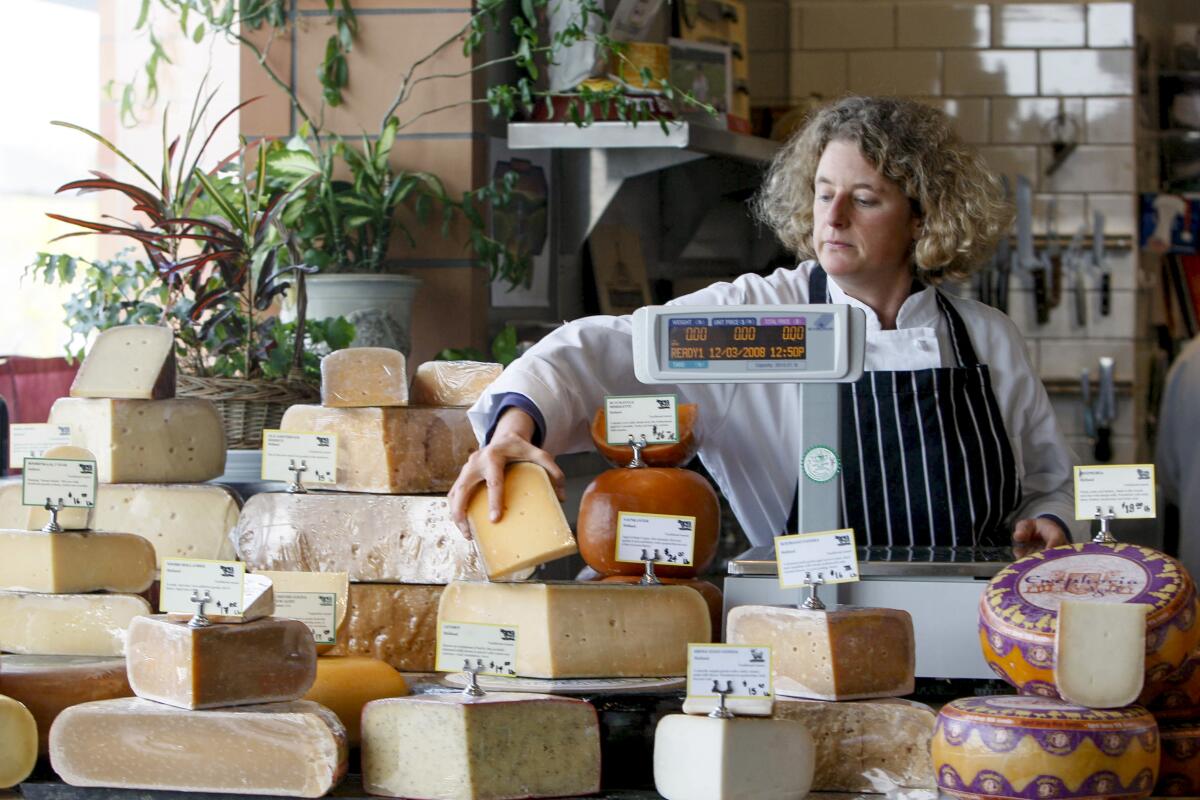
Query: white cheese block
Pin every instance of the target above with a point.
(67, 624)
(129, 361)
(297, 749)
(363, 377)
(1100, 651)
(179, 520)
(587, 630)
(700, 758)
(70, 562)
(18, 742)
(258, 601)
(502, 745)
(452, 383)
(147, 441)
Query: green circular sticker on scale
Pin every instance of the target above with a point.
(821, 464)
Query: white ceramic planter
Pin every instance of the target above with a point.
(380, 306)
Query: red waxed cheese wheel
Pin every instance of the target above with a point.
(711, 594)
(676, 454)
(646, 490)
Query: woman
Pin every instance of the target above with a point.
(949, 437)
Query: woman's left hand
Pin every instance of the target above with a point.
(1030, 535)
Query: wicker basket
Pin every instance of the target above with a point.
(247, 406)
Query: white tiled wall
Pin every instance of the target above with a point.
(1003, 71)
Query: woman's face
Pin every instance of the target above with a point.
(863, 225)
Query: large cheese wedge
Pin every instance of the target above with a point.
(129, 361)
(345, 684)
(391, 450)
(452, 383)
(1179, 770)
(361, 377)
(1018, 612)
(1179, 701)
(49, 684)
(532, 529)
(147, 441)
(67, 624)
(700, 758)
(396, 623)
(297, 748)
(70, 562)
(847, 654)
(1100, 653)
(885, 738)
(711, 594)
(1031, 747)
(587, 630)
(18, 742)
(502, 745)
(265, 661)
(335, 583)
(179, 520)
(372, 538)
(258, 601)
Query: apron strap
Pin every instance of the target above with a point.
(964, 351)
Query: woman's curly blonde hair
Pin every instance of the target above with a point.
(961, 204)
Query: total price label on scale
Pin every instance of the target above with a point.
(1123, 491)
(742, 673)
(309, 458)
(655, 416)
(828, 557)
(490, 649)
(63, 482)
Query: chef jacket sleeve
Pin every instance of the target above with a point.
(1177, 421)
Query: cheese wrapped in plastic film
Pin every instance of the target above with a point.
(297, 748)
(363, 377)
(384, 539)
(452, 383)
(400, 450)
(48, 685)
(67, 624)
(395, 623)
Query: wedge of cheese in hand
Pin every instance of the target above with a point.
(532, 529)
(68, 562)
(364, 377)
(701, 758)
(131, 362)
(18, 742)
(1100, 651)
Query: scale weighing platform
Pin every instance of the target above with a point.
(817, 347)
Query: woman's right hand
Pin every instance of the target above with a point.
(511, 441)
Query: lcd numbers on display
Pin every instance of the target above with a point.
(737, 339)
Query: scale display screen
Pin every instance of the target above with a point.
(738, 339)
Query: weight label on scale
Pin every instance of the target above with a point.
(222, 581)
(463, 644)
(284, 451)
(31, 440)
(660, 538)
(829, 555)
(1125, 491)
(655, 416)
(743, 671)
(59, 481)
(317, 610)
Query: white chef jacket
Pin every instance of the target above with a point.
(754, 462)
(1177, 456)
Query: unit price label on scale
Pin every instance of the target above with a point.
(1124, 491)
(63, 482)
(660, 538)
(655, 416)
(220, 582)
(490, 648)
(804, 558)
(310, 458)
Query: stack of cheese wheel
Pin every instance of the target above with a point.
(657, 485)
(1177, 710)
(221, 703)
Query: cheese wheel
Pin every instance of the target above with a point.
(345, 684)
(1018, 612)
(1179, 701)
(1179, 772)
(674, 454)
(48, 685)
(18, 742)
(1036, 747)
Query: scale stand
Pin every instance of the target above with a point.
(1104, 536)
(721, 711)
(296, 487)
(198, 620)
(472, 689)
(52, 526)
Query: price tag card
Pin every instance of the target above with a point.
(743, 669)
(655, 416)
(64, 482)
(829, 555)
(317, 610)
(221, 580)
(32, 440)
(660, 538)
(283, 451)
(1124, 490)
(463, 644)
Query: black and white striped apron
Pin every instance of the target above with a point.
(926, 459)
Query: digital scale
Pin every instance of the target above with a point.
(817, 347)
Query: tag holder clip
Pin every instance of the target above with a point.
(1104, 536)
(473, 689)
(198, 619)
(812, 602)
(296, 487)
(721, 711)
(52, 526)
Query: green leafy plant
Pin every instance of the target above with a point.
(504, 349)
